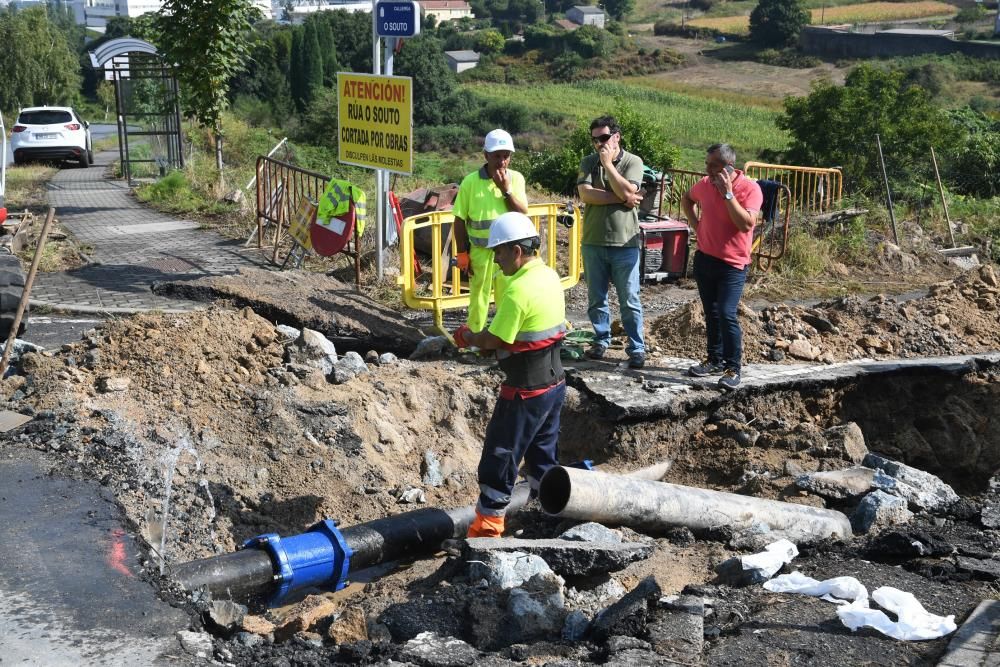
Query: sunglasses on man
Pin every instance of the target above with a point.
(602, 138)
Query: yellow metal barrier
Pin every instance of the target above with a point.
(560, 250)
(814, 189)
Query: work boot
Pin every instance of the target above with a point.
(707, 367)
(730, 379)
(597, 352)
(636, 360)
(486, 526)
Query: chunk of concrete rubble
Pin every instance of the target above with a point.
(575, 626)
(412, 495)
(803, 349)
(676, 628)
(198, 644)
(592, 532)
(852, 482)
(565, 557)
(627, 616)
(846, 441)
(980, 568)
(408, 619)
(257, 625)
(348, 627)
(304, 615)
(905, 544)
(974, 644)
(989, 515)
(429, 347)
(922, 490)
(225, 615)
(637, 656)
(110, 385)
(504, 569)
(312, 349)
(387, 359)
(433, 650)
(537, 609)
(880, 510)
(432, 470)
(756, 568)
(620, 643)
(287, 332)
(347, 368)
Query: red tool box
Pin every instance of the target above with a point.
(664, 252)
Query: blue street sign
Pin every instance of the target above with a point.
(397, 18)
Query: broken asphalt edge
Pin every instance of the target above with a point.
(77, 309)
(622, 406)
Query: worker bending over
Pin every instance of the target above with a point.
(484, 196)
(526, 332)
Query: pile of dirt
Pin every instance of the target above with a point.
(956, 317)
(202, 431)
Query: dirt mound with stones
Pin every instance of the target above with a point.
(207, 436)
(958, 316)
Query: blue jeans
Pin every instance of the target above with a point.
(620, 267)
(720, 287)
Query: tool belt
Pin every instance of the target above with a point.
(534, 369)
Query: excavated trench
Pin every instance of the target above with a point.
(756, 441)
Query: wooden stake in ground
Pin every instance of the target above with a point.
(944, 204)
(27, 291)
(888, 194)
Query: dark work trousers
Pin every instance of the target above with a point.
(720, 287)
(519, 429)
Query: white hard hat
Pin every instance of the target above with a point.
(510, 227)
(498, 140)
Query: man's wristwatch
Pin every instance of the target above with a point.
(728, 196)
(508, 194)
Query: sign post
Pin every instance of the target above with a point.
(392, 19)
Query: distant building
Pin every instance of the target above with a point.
(95, 14)
(586, 15)
(299, 12)
(446, 10)
(459, 61)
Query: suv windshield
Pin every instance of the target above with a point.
(46, 117)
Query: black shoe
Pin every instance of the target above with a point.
(705, 368)
(730, 379)
(636, 360)
(596, 352)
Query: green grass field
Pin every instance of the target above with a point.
(691, 122)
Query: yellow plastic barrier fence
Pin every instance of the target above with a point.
(559, 227)
(814, 189)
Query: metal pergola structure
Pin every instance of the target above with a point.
(146, 95)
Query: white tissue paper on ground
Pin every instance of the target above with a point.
(772, 558)
(915, 622)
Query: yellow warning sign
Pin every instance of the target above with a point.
(376, 121)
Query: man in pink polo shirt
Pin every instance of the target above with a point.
(730, 204)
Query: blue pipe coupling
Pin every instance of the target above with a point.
(318, 557)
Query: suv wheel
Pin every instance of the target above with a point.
(90, 154)
(85, 159)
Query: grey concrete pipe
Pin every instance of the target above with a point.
(626, 500)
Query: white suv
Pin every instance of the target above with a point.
(51, 133)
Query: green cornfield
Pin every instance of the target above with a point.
(692, 122)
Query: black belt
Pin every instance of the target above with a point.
(534, 369)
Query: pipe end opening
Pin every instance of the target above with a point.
(554, 490)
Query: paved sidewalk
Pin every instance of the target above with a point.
(133, 247)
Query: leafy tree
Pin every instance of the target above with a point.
(777, 23)
(591, 42)
(352, 34)
(297, 72)
(37, 66)
(490, 41)
(433, 82)
(836, 125)
(312, 62)
(618, 9)
(209, 42)
(106, 96)
(974, 167)
(266, 76)
(328, 49)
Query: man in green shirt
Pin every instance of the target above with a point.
(609, 185)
